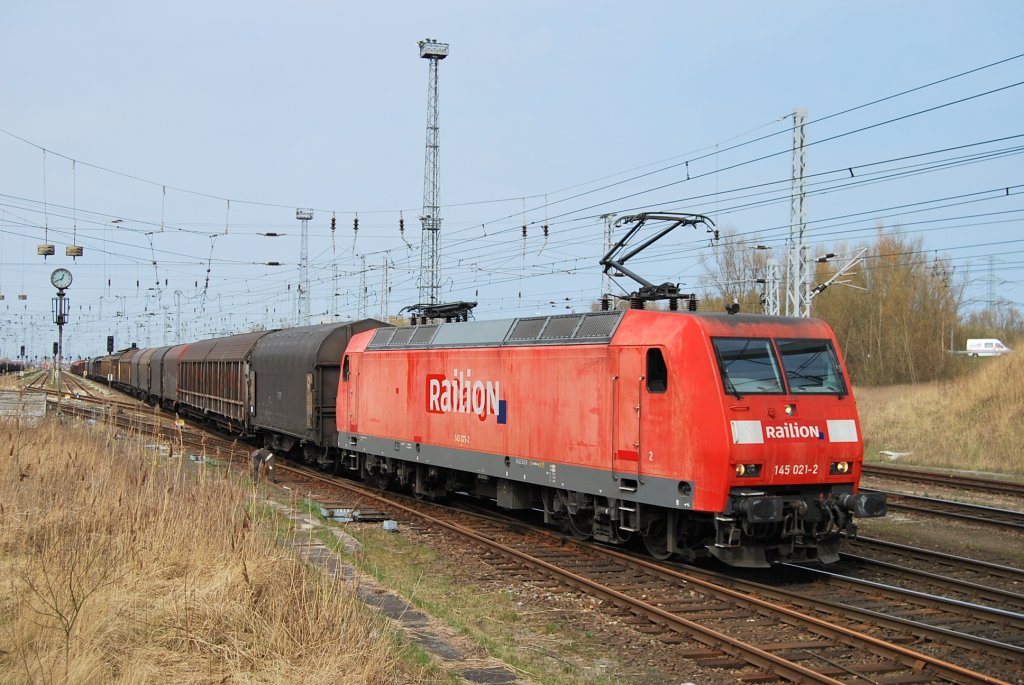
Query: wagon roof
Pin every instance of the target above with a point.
(305, 346)
(128, 354)
(230, 348)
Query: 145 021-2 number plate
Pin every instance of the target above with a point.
(795, 470)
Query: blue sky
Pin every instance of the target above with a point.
(202, 125)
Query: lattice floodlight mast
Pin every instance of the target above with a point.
(304, 215)
(649, 292)
(430, 249)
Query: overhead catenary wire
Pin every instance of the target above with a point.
(568, 239)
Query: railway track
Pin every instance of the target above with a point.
(755, 630)
(972, 483)
(970, 513)
(996, 585)
(769, 629)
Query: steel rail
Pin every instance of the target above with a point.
(931, 506)
(987, 592)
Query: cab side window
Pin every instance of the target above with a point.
(345, 369)
(657, 371)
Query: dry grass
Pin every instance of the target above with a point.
(10, 381)
(122, 566)
(974, 422)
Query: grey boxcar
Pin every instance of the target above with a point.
(122, 368)
(167, 367)
(140, 372)
(152, 381)
(294, 376)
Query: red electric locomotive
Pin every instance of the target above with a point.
(730, 435)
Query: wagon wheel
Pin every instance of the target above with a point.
(656, 539)
(581, 524)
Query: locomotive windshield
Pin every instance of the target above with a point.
(752, 366)
(811, 367)
(748, 365)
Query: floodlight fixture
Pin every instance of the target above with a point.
(432, 49)
(303, 214)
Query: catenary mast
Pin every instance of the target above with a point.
(430, 249)
(302, 309)
(798, 276)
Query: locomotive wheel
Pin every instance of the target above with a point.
(581, 524)
(381, 481)
(655, 540)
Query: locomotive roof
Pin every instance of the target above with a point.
(564, 329)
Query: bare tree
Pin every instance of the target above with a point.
(897, 329)
(736, 271)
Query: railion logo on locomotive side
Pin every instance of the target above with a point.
(460, 394)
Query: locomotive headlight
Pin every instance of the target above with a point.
(839, 467)
(748, 470)
(790, 409)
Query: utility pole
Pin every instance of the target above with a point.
(430, 248)
(798, 300)
(302, 318)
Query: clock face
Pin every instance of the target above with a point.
(61, 278)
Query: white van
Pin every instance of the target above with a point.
(986, 347)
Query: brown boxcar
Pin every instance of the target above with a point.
(213, 379)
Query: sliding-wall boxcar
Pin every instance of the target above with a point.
(213, 378)
(165, 367)
(294, 375)
(122, 368)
